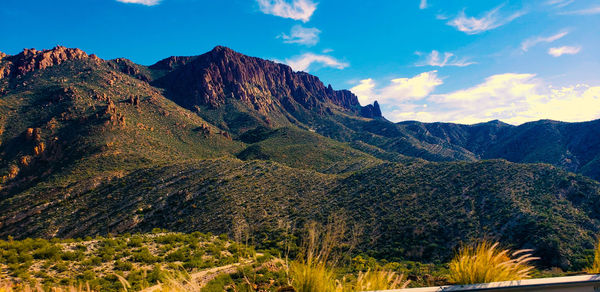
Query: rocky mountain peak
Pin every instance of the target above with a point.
(223, 50)
(31, 59)
(214, 77)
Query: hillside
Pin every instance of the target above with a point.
(227, 143)
(418, 212)
(571, 146)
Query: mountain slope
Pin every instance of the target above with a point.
(303, 149)
(419, 212)
(80, 116)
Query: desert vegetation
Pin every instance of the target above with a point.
(486, 262)
(595, 268)
(323, 257)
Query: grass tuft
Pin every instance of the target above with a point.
(313, 277)
(486, 263)
(380, 280)
(595, 269)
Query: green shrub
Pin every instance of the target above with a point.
(123, 266)
(144, 256)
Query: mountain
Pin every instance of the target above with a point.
(224, 142)
(240, 92)
(571, 146)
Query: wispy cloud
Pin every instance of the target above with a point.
(398, 90)
(587, 11)
(559, 3)
(297, 9)
(566, 50)
(434, 59)
(490, 20)
(143, 2)
(528, 43)
(301, 35)
(305, 61)
(423, 4)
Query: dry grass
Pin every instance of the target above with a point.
(380, 280)
(595, 269)
(14, 287)
(178, 284)
(313, 278)
(315, 270)
(486, 263)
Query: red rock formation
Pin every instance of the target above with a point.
(31, 59)
(212, 78)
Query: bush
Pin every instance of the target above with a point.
(486, 263)
(47, 252)
(144, 256)
(123, 266)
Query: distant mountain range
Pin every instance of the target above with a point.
(223, 142)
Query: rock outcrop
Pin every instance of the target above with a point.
(371, 111)
(30, 60)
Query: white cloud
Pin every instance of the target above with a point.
(423, 4)
(297, 10)
(528, 43)
(510, 97)
(559, 3)
(399, 90)
(587, 11)
(490, 20)
(566, 50)
(305, 61)
(143, 2)
(302, 35)
(433, 59)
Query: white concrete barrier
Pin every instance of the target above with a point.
(585, 283)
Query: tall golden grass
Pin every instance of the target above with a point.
(315, 270)
(380, 280)
(595, 269)
(315, 277)
(486, 262)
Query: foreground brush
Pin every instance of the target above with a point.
(486, 262)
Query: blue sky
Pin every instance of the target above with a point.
(428, 60)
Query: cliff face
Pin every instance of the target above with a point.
(31, 59)
(212, 78)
